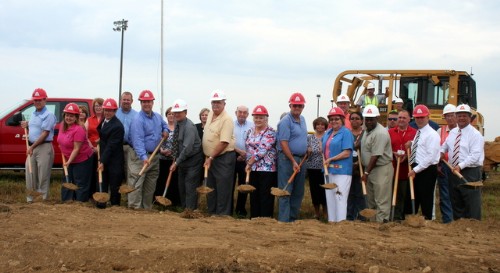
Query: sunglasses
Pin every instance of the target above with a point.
(297, 106)
(392, 119)
(334, 119)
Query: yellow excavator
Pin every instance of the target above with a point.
(434, 88)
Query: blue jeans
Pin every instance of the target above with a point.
(81, 175)
(444, 194)
(289, 206)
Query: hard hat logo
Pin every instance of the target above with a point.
(216, 95)
(37, 94)
(369, 111)
(176, 106)
(419, 111)
(71, 108)
(258, 110)
(297, 99)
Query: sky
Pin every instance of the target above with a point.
(257, 52)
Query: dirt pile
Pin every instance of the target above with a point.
(46, 237)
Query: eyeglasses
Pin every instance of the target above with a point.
(354, 118)
(297, 106)
(392, 119)
(334, 119)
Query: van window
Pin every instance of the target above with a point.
(28, 111)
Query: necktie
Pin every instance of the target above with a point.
(414, 148)
(456, 149)
(175, 142)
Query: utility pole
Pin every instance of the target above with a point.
(120, 26)
(317, 107)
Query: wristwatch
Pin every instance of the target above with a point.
(367, 173)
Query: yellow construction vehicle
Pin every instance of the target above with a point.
(434, 88)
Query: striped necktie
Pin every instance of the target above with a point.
(414, 148)
(456, 149)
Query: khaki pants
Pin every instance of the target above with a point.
(379, 191)
(145, 184)
(41, 168)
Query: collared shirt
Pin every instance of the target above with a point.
(347, 121)
(146, 132)
(427, 149)
(334, 145)
(294, 132)
(398, 139)
(126, 118)
(92, 123)
(218, 130)
(262, 147)
(376, 143)
(471, 152)
(39, 122)
(240, 133)
(189, 140)
(443, 134)
(66, 140)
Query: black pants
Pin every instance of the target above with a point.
(112, 179)
(239, 177)
(355, 200)
(425, 184)
(316, 178)
(173, 189)
(261, 200)
(466, 200)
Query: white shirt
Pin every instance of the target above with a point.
(471, 152)
(427, 148)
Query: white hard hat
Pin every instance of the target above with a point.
(179, 106)
(463, 108)
(449, 108)
(398, 100)
(370, 85)
(217, 95)
(343, 98)
(371, 111)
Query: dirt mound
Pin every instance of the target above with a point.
(75, 237)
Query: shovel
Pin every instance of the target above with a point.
(100, 197)
(367, 213)
(395, 190)
(459, 175)
(413, 220)
(246, 188)
(31, 192)
(68, 185)
(162, 199)
(124, 189)
(327, 185)
(204, 189)
(283, 192)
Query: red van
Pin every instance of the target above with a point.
(12, 138)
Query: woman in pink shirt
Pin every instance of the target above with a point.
(77, 151)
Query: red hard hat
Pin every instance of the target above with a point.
(336, 111)
(420, 111)
(146, 95)
(297, 98)
(39, 94)
(260, 110)
(110, 104)
(72, 108)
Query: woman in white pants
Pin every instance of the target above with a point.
(338, 146)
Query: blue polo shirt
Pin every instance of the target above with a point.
(343, 140)
(295, 132)
(240, 133)
(39, 122)
(126, 118)
(146, 132)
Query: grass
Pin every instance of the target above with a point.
(12, 190)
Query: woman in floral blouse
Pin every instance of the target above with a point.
(314, 166)
(261, 161)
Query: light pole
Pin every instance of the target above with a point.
(120, 26)
(317, 108)
(331, 102)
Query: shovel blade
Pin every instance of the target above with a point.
(246, 188)
(70, 186)
(368, 213)
(124, 189)
(101, 197)
(163, 201)
(204, 189)
(279, 192)
(329, 186)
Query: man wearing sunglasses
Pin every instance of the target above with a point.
(392, 119)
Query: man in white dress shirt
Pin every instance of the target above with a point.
(465, 147)
(424, 158)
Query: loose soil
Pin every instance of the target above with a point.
(74, 237)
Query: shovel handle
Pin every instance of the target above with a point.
(30, 169)
(297, 170)
(64, 166)
(99, 172)
(205, 172)
(363, 183)
(412, 192)
(459, 175)
(247, 177)
(151, 156)
(395, 190)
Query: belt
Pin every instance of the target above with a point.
(413, 165)
(297, 155)
(31, 143)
